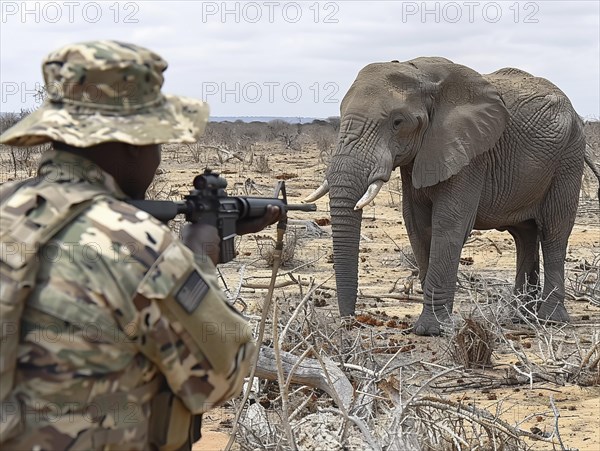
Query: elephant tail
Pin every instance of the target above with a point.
(594, 166)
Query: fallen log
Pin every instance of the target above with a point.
(309, 372)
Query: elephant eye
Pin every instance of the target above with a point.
(397, 123)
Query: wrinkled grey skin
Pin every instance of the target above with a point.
(593, 165)
(500, 151)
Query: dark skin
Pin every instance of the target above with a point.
(134, 167)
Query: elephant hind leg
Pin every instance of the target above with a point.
(553, 306)
(526, 236)
(559, 211)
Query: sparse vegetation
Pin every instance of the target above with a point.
(490, 383)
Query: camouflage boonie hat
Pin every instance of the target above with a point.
(103, 91)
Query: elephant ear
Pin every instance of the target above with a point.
(466, 118)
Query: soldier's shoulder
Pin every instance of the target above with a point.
(112, 227)
(116, 216)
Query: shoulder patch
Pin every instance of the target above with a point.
(191, 293)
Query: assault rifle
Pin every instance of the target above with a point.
(209, 203)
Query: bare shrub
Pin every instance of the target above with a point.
(261, 164)
(394, 407)
(325, 142)
(197, 152)
(334, 121)
(559, 355)
(25, 159)
(266, 249)
(588, 372)
(584, 281)
(285, 132)
(473, 344)
(162, 189)
(442, 424)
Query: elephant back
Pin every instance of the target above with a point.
(527, 94)
(536, 105)
(511, 72)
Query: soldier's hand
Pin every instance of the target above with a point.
(203, 240)
(254, 225)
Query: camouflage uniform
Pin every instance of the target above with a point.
(122, 312)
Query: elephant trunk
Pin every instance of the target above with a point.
(359, 167)
(345, 225)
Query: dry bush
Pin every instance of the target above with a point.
(583, 281)
(161, 188)
(197, 152)
(556, 353)
(473, 344)
(261, 164)
(394, 406)
(587, 374)
(266, 248)
(288, 134)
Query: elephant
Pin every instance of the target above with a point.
(498, 151)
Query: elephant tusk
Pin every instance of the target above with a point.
(318, 193)
(368, 197)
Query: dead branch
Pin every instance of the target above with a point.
(308, 373)
(282, 284)
(474, 415)
(556, 429)
(361, 425)
(283, 386)
(400, 297)
(312, 289)
(489, 241)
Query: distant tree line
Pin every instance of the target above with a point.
(237, 137)
(240, 136)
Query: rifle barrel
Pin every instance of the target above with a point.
(301, 207)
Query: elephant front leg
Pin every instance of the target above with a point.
(451, 223)
(439, 285)
(417, 218)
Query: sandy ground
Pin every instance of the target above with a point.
(492, 254)
(488, 254)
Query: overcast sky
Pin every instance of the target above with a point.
(279, 58)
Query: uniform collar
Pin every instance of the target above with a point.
(60, 166)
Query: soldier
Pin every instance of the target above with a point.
(124, 337)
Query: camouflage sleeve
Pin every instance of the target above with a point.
(178, 318)
(201, 344)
